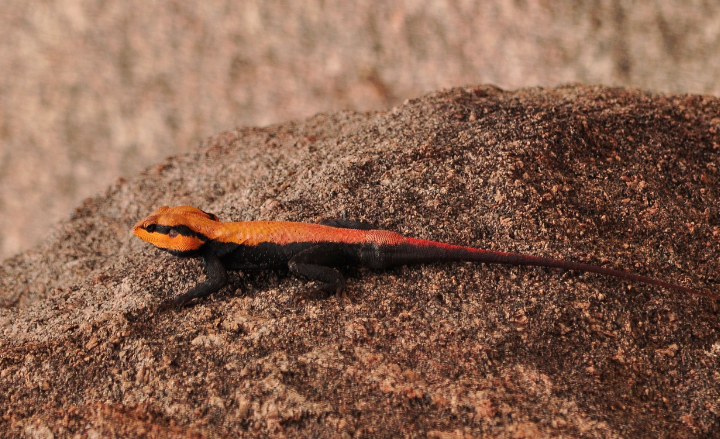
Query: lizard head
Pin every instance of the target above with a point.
(180, 230)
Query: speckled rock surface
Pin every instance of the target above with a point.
(608, 176)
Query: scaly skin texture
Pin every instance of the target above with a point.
(316, 250)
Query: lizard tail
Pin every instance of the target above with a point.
(422, 251)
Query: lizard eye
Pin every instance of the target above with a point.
(150, 228)
(173, 233)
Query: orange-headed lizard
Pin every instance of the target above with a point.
(317, 250)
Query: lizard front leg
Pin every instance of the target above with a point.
(216, 279)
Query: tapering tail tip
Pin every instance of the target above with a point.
(426, 251)
(707, 294)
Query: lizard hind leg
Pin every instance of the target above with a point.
(342, 223)
(315, 263)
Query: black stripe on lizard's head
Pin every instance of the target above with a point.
(178, 230)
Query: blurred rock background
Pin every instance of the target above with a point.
(93, 90)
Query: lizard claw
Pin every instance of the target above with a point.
(317, 292)
(311, 294)
(174, 303)
(165, 305)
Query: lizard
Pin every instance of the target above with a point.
(317, 250)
